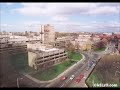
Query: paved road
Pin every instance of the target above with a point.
(111, 49)
(75, 71)
(82, 71)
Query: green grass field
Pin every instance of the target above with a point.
(53, 71)
(75, 56)
(92, 77)
(100, 49)
(104, 72)
(20, 62)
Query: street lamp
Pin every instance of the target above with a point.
(18, 81)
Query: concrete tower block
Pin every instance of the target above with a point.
(42, 33)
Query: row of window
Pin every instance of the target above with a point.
(52, 55)
(48, 64)
(62, 56)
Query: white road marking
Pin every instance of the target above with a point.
(62, 85)
(84, 77)
(76, 72)
(66, 81)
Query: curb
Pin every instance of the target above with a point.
(49, 81)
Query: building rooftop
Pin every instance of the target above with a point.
(49, 50)
(41, 47)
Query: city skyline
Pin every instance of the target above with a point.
(67, 17)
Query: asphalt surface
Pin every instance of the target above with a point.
(75, 71)
(82, 70)
(111, 49)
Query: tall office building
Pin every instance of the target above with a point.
(49, 34)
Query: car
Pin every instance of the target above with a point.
(72, 77)
(63, 78)
(79, 78)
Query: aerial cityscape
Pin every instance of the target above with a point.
(60, 45)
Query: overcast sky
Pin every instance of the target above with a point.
(70, 17)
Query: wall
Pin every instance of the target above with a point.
(31, 58)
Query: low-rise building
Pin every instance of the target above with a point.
(62, 42)
(4, 40)
(43, 56)
(84, 42)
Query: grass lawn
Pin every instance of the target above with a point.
(20, 62)
(100, 49)
(91, 78)
(75, 56)
(53, 71)
(96, 80)
(104, 72)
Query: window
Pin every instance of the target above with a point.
(39, 62)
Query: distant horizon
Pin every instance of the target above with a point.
(67, 31)
(68, 17)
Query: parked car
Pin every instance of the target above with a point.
(72, 77)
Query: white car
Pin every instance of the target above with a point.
(72, 77)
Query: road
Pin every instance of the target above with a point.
(81, 69)
(75, 71)
(110, 49)
(8, 74)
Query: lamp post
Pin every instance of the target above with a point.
(18, 82)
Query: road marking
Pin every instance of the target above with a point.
(62, 85)
(84, 77)
(66, 81)
(76, 72)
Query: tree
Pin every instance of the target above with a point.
(77, 46)
(70, 47)
(105, 41)
(100, 44)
